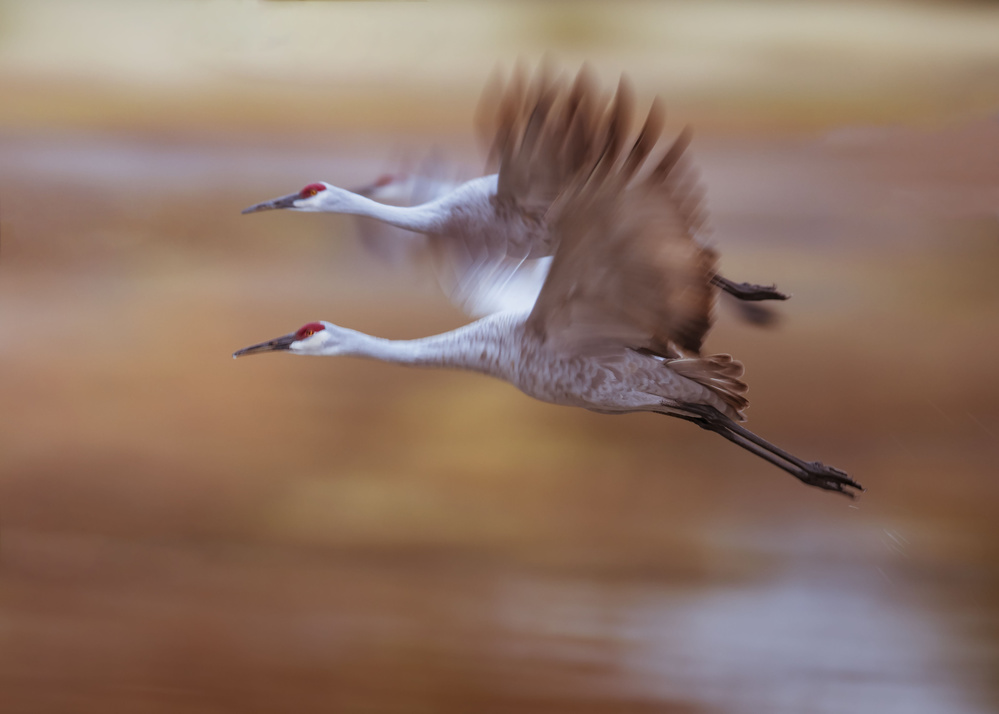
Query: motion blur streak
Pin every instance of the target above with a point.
(181, 532)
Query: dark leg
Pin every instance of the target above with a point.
(748, 291)
(812, 473)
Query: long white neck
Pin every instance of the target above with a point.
(425, 218)
(484, 346)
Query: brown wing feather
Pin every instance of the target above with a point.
(627, 270)
(545, 133)
(719, 373)
(677, 181)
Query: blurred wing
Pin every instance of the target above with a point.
(482, 285)
(544, 134)
(475, 279)
(627, 270)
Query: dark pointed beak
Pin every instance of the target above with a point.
(277, 344)
(283, 202)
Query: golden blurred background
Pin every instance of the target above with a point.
(181, 532)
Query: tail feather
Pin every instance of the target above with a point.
(720, 373)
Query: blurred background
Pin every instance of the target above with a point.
(181, 532)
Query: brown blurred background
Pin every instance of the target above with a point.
(181, 532)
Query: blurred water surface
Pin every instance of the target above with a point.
(181, 532)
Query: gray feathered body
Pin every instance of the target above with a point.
(472, 214)
(617, 379)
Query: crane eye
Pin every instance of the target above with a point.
(311, 190)
(308, 330)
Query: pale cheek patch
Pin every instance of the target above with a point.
(308, 345)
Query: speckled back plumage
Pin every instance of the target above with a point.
(615, 379)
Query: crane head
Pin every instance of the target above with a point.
(310, 338)
(309, 198)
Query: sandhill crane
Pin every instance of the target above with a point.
(543, 135)
(480, 284)
(620, 320)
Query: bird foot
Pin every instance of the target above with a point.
(828, 478)
(749, 291)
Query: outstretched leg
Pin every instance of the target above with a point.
(812, 473)
(748, 291)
